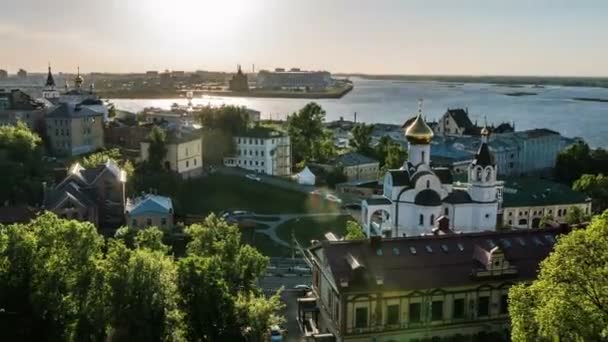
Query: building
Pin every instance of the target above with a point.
(294, 78)
(359, 189)
(527, 200)
(74, 129)
(166, 80)
(3, 74)
(126, 136)
(239, 81)
(149, 210)
(450, 287)
(50, 92)
(22, 74)
(538, 149)
(16, 105)
(357, 167)
(416, 195)
(456, 122)
(262, 149)
(184, 152)
(95, 194)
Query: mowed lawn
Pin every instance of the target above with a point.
(216, 192)
(306, 229)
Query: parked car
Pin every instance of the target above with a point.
(253, 177)
(276, 334)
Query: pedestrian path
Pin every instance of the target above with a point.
(271, 231)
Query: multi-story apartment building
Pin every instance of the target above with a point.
(16, 105)
(184, 152)
(262, 149)
(74, 129)
(527, 200)
(425, 288)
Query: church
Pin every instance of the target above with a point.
(417, 197)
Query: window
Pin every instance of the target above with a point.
(256, 163)
(432, 219)
(186, 151)
(163, 221)
(187, 163)
(392, 314)
(446, 211)
(262, 153)
(149, 221)
(504, 304)
(523, 222)
(437, 310)
(564, 212)
(483, 306)
(361, 318)
(458, 309)
(421, 220)
(195, 161)
(415, 312)
(422, 155)
(428, 184)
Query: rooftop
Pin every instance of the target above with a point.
(70, 110)
(263, 132)
(522, 192)
(352, 159)
(429, 262)
(149, 203)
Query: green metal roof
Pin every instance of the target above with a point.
(521, 192)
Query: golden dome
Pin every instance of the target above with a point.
(419, 132)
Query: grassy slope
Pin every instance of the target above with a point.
(313, 228)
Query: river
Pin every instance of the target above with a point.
(394, 102)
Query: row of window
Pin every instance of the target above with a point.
(251, 141)
(435, 314)
(251, 153)
(188, 163)
(163, 222)
(560, 212)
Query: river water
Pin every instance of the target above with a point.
(394, 102)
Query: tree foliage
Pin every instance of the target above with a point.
(60, 281)
(220, 125)
(336, 176)
(390, 154)
(354, 231)
(579, 159)
(569, 300)
(158, 147)
(309, 140)
(22, 169)
(596, 187)
(576, 215)
(362, 138)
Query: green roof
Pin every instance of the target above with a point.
(262, 132)
(521, 192)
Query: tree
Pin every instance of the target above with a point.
(158, 147)
(569, 300)
(395, 157)
(217, 283)
(22, 169)
(596, 187)
(362, 138)
(575, 215)
(305, 129)
(545, 221)
(354, 231)
(220, 126)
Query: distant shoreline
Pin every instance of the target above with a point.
(510, 81)
(170, 94)
(590, 99)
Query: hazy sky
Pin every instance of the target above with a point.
(529, 37)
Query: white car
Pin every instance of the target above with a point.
(253, 177)
(276, 334)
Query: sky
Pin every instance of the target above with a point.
(460, 37)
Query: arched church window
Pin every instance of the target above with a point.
(432, 219)
(422, 155)
(421, 220)
(446, 211)
(478, 174)
(488, 175)
(428, 184)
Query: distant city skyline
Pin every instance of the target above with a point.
(469, 37)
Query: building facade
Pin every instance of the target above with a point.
(17, 106)
(416, 195)
(452, 287)
(149, 210)
(184, 152)
(74, 129)
(527, 200)
(294, 78)
(357, 167)
(263, 150)
(239, 81)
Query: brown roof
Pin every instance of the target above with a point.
(427, 262)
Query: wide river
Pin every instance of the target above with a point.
(394, 102)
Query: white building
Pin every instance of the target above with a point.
(264, 150)
(416, 195)
(184, 152)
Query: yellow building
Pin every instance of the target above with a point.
(184, 152)
(74, 129)
(423, 288)
(527, 200)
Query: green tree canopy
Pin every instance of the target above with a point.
(362, 138)
(22, 169)
(336, 176)
(575, 215)
(158, 147)
(569, 300)
(308, 138)
(579, 159)
(354, 231)
(220, 125)
(596, 187)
